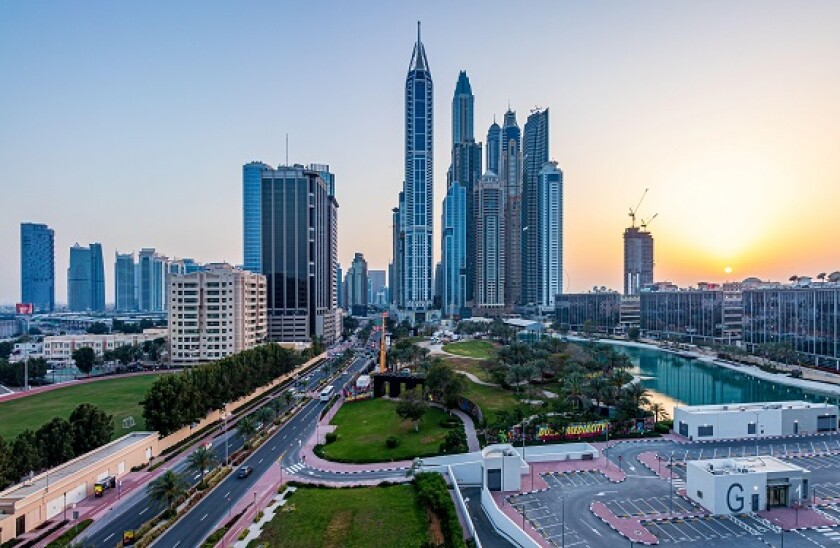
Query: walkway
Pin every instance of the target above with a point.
(792, 518)
(469, 427)
(475, 379)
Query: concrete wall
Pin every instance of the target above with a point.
(553, 453)
(806, 419)
(504, 524)
(771, 422)
(725, 493)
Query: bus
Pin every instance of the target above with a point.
(327, 393)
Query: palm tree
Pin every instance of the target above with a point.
(617, 380)
(658, 410)
(247, 427)
(575, 391)
(264, 414)
(168, 488)
(201, 460)
(597, 389)
(516, 374)
(636, 396)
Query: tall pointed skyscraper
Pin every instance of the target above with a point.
(462, 110)
(416, 216)
(534, 158)
(510, 177)
(494, 138)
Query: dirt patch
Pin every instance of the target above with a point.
(337, 529)
(435, 531)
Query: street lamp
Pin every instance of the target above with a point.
(224, 418)
(671, 479)
(563, 526)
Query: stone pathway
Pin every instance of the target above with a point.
(475, 379)
(255, 530)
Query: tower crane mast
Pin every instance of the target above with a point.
(634, 210)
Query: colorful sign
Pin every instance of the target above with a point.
(26, 309)
(586, 429)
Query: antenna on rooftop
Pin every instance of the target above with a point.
(287, 148)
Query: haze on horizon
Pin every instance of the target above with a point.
(128, 124)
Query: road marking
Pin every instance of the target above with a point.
(109, 537)
(226, 494)
(273, 447)
(143, 511)
(203, 517)
(260, 461)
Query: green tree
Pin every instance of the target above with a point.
(168, 488)
(658, 411)
(92, 428)
(412, 407)
(200, 461)
(633, 333)
(98, 328)
(55, 441)
(443, 384)
(7, 473)
(85, 359)
(264, 414)
(26, 455)
(6, 348)
(574, 391)
(454, 442)
(247, 427)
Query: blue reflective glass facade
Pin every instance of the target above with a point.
(251, 216)
(37, 266)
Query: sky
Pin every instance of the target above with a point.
(127, 123)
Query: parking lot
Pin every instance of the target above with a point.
(762, 448)
(823, 536)
(549, 522)
(818, 463)
(706, 531)
(652, 505)
(566, 480)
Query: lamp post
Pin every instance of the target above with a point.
(563, 526)
(224, 417)
(671, 479)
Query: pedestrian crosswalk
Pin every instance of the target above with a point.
(829, 533)
(679, 483)
(295, 468)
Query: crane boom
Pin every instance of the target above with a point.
(636, 209)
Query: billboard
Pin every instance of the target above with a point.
(25, 308)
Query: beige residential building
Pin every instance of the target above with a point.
(215, 313)
(60, 348)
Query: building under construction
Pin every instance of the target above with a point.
(638, 253)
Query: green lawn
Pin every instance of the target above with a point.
(483, 350)
(118, 397)
(470, 366)
(362, 517)
(364, 426)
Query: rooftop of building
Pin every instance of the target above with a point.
(752, 407)
(744, 465)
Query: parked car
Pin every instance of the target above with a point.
(244, 472)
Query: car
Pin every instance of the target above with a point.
(244, 472)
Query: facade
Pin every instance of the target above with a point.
(535, 288)
(510, 176)
(357, 286)
(754, 420)
(398, 263)
(601, 309)
(86, 279)
(37, 266)
(490, 245)
(746, 484)
(377, 291)
(807, 318)
(466, 170)
(638, 259)
(340, 300)
(630, 312)
(416, 218)
(59, 348)
(298, 245)
(251, 219)
(544, 269)
(463, 104)
(684, 314)
(151, 277)
(125, 285)
(215, 313)
(494, 140)
(454, 251)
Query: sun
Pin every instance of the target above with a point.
(728, 270)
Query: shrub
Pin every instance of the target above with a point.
(243, 534)
(433, 494)
(259, 516)
(450, 422)
(391, 442)
(330, 437)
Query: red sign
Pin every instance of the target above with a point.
(25, 308)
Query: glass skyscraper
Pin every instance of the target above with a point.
(37, 266)
(510, 177)
(86, 279)
(416, 214)
(534, 157)
(251, 224)
(151, 270)
(549, 253)
(125, 286)
(490, 245)
(454, 251)
(463, 104)
(494, 139)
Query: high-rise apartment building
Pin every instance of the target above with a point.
(151, 280)
(357, 286)
(463, 104)
(534, 157)
(416, 214)
(125, 285)
(86, 279)
(298, 228)
(37, 266)
(251, 217)
(214, 313)
(339, 287)
(490, 245)
(494, 143)
(454, 229)
(510, 177)
(398, 254)
(545, 271)
(638, 259)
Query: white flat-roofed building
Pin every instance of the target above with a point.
(746, 484)
(751, 420)
(60, 348)
(215, 313)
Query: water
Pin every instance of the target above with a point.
(678, 381)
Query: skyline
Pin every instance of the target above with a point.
(147, 121)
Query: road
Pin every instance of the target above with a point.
(137, 508)
(212, 510)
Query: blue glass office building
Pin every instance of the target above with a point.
(454, 251)
(251, 217)
(37, 266)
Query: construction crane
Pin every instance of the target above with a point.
(645, 223)
(634, 210)
(382, 352)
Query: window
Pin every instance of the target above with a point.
(751, 428)
(705, 431)
(699, 494)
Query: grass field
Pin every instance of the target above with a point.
(364, 517)
(483, 350)
(118, 397)
(470, 366)
(364, 426)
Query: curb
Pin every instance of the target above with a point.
(619, 532)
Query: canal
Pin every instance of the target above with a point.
(678, 381)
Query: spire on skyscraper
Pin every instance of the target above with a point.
(418, 56)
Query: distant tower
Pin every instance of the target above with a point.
(454, 251)
(125, 285)
(494, 139)
(416, 216)
(86, 279)
(510, 177)
(534, 158)
(490, 245)
(37, 266)
(549, 245)
(357, 286)
(462, 110)
(638, 259)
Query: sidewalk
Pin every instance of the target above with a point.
(469, 427)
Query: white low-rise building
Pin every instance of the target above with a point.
(751, 420)
(215, 313)
(746, 484)
(60, 348)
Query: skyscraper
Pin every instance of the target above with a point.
(376, 288)
(37, 266)
(494, 140)
(638, 259)
(549, 256)
(298, 220)
(86, 279)
(510, 177)
(339, 287)
(454, 251)
(357, 286)
(125, 286)
(490, 245)
(416, 216)
(534, 157)
(462, 110)
(251, 221)
(151, 276)
(398, 264)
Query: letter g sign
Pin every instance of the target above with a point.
(734, 500)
